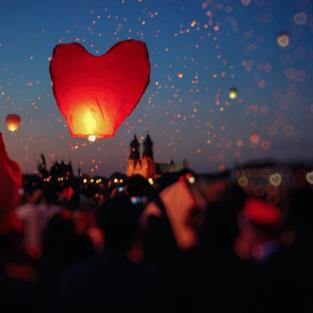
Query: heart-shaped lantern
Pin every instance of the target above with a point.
(97, 93)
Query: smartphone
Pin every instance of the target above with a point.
(138, 200)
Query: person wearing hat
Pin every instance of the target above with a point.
(260, 227)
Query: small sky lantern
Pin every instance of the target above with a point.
(283, 39)
(96, 94)
(255, 138)
(193, 23)
(233, 93)
(13, 122)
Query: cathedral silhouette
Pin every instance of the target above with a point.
(145, 165)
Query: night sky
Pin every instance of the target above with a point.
(199, 50)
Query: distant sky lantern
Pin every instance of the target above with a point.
(13, 122)
(283, 40)
(193, 23)
(243, 181)
(246, 2)
(233, 93)
(300, 18)
(255, 138)
(180, 74)
(97, 93)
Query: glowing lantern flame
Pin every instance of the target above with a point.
(243, 181)
(193, 23)
(283, 40)
(92, 138)
(97, 93)
(255, 138)
(13, 122)
(233, 93)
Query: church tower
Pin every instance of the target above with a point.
(147, 148)
(134, 153)
(148, 165)
(145, 165)
(133, 163)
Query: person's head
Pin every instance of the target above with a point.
(166, 180)
(138, 186)
(50, 194)
(119, 219)
(260, 223)
(221, 227)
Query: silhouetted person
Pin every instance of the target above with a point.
(218, 273)
(62, 248)
(112, 282)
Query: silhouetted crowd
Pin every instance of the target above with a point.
(179, 246)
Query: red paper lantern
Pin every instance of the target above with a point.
(255, 138)
(13, 122)
(96, 93)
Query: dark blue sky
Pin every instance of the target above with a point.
(216, 45)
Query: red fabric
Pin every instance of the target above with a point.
(10, 180)
(179, 200)
(261, 212)
(96, 93)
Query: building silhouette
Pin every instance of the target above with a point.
(146, 165)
